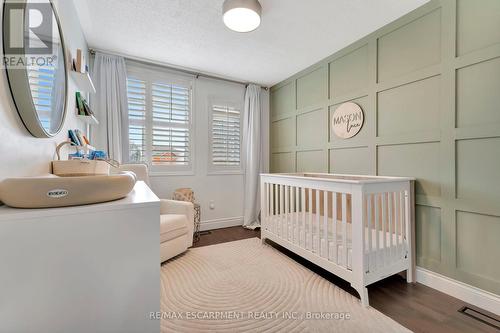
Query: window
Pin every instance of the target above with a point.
(225, 137)
(159, 120)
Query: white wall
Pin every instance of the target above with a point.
(226, 191)
(24, 155)
(21, 154)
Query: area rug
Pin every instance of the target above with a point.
(244, 286)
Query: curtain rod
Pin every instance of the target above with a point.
(170, 67)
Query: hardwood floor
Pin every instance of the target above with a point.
(225, 235)
(415, 306)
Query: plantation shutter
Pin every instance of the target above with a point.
(159, 119)
(226, 136)
(170, 124)
(136, 94)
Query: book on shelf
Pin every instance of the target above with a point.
(86, 140)
(87, 108)
(83, 108)
(80, 61)
(79, 104)
(74, 138)
(77, 138)
(79, 135)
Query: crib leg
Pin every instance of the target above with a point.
(363, 293)
(410, 276)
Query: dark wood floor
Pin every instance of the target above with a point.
(415, 306)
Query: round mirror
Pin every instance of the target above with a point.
(35, 60)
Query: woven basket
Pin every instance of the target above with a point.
(72, 168)
(80, 168)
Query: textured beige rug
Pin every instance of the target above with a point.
(244, 286)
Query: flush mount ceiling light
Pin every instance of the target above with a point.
(241, 15)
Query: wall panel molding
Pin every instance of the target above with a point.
(430, 93)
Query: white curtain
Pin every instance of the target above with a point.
(252, 143)
(109, 104)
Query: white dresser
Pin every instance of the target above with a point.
(91, 268)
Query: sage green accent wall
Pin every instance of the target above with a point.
(410, 108)
(429, 85)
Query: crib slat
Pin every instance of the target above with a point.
(310, 221)
(276, 209)
(282, 210)
(317, 222)
(279, 208)
(397, 211)
(292, 214)
(283, 217)
(287, 198)
(384, 229)
(296, 215)
(289, 224)
(268, 206)
(334, 227)
(273, 208)
(403, 227)
(391, 227)
(370, 228)
(272, 199)
(265, 209)
(303, 208)
(344, 228)
(377, 234)
(287, 214)
(408, 235)
(325, 224)
(263, 204)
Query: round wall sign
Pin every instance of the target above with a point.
(347, 120)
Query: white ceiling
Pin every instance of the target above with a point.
(294, 34)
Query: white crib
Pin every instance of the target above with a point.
(360, 228)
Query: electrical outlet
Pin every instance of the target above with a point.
(211, 204)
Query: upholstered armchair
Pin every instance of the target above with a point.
(176, 219)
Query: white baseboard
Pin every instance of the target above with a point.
(467, 293)
(221, 223)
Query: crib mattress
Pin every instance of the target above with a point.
(284, 229)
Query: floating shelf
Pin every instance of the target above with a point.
(83, 81)
(91, 120)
